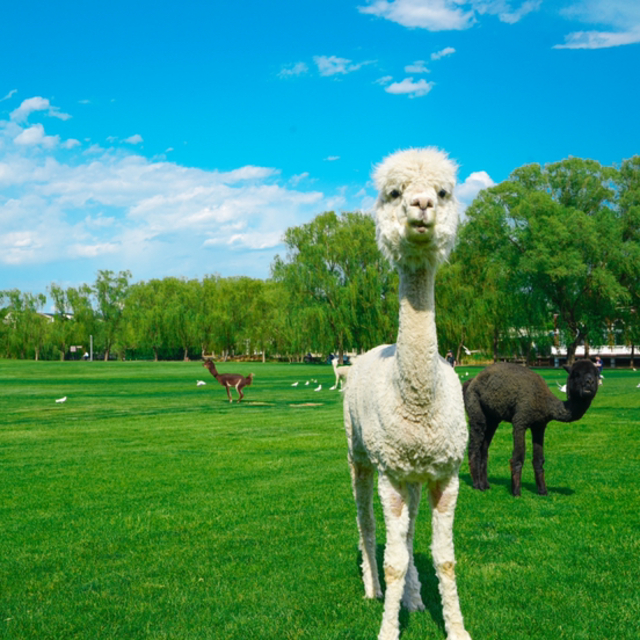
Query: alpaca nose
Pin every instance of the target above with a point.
(423, 202)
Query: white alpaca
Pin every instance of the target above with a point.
(403, 407)
(340, 372)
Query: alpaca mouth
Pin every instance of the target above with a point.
(420, 226)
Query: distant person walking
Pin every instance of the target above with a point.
(450, 359)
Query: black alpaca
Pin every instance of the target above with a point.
(512, 393)
(228, 380)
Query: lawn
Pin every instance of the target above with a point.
(146, 506)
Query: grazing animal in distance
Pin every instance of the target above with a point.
(341, 373)
(512, 393)
(229, 380)
(403, 408)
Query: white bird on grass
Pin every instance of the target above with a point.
(306, 384)
(295, 384)
(62, 399)
(318, 387)
(562, 388)
(199, 383)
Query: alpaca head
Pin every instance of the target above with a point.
(416, 211)
(582, 384)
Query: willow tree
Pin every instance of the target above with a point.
(145, 320)
(110, 291)
(340, 287)
(62, 329)
(26, 326)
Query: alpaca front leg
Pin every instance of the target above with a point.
(537, 435)
(443, 496)
(362, 485)
(395, 504)
(411, 599)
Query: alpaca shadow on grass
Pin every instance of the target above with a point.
(506, 483)
(428, 579)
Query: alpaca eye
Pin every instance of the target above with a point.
(443, 193)
(395, 194)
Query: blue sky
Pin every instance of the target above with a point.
(183, 138)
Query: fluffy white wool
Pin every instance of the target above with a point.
(404, 413)
(415, 173)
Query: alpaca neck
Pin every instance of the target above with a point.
(417, 344)
(570, 410)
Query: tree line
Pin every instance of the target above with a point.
(551, 255)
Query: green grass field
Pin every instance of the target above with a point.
(147, 507)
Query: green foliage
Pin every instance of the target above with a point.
(553, 248)
(340, 288)
(147, 507)
(554, 240)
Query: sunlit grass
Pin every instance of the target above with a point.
(147, 507)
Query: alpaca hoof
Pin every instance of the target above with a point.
(389, 632)
(413, 605)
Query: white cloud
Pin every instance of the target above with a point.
(28, 106)
(332, 158)
(446, 15)
(332, 65)
(9, 95)
(115, 209)
(419, 66)
(135, 139)
(384, 80)
(621, 19)
(447, 51)
(35, 136)
(296, 180)
(410, 88)
(504, 11)
(471, 187)
(297, 69)
(599, 39)
(437, 15)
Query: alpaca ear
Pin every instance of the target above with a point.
(567, 368)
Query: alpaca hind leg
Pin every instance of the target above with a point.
(537, 435)
(411, 599)
(362, 484)
(443, 496)
(395, 503)
(492, 426)
(477, 430)
(517, 459)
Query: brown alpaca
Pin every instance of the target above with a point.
(228, 380)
